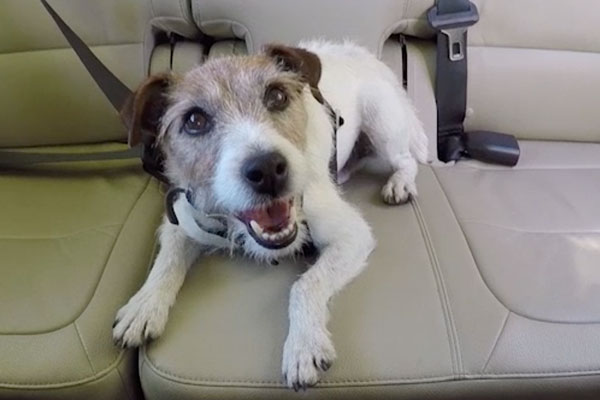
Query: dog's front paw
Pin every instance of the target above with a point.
(397, 190)
(141, 319)
(304, 357)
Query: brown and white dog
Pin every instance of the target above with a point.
(251, 139)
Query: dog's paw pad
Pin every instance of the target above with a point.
(143, 318)
(304, 358)
(396, 191)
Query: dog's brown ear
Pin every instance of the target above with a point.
(144, 108)
(298, 60)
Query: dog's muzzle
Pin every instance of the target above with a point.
(272, 225)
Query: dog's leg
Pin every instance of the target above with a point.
(390, 121)
(344, 241)
(145, 315)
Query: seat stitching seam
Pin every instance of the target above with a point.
(182, 10)
(65, 236)
(500, 332)
(488, 286)
(85, 350)
(440, 296)
(135, 204)
(88, 379)
(120, 354)
(142, 192)
(442, 292)
(168, 374)
(232, 22)
(92, 46)
(533, 231)
(152, 9)
(420, 379)
(462, 231)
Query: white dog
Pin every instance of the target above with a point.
(249, 139)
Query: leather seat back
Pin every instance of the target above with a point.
(533, 69)
(47, 97)
(260, 22)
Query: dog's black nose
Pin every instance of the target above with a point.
(266, 173)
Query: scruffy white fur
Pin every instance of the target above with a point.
(371, 100)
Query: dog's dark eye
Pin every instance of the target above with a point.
(195, 122)
(276, 99)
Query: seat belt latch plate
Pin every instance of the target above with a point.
(454, 26)
(456, 43)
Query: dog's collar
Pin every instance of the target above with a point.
(207, 230)
(336, 121)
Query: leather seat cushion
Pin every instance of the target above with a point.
(424, 319)
(534, 235)
(229, 323)
(76, 240)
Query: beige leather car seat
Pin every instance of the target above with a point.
(485, 286)
(76, 239)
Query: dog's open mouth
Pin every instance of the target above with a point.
(272, 225)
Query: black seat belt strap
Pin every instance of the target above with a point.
(10, 158)
(115, 91)
(451, 19)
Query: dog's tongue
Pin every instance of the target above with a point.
(274, 216)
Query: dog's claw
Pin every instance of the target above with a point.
(398, 191)
(304, 358)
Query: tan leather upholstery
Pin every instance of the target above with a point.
(532, 233)
(76, 241)
(47, 95)
(259, 22)
(522, 50)
(484, 287)
(52, 99)
(435, 304)
(181, 58)
(527, 50)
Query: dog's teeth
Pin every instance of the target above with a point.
(256, 227)
(286, 232)
(266, 236)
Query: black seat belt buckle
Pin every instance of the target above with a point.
(454, 26)
(492, 147)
